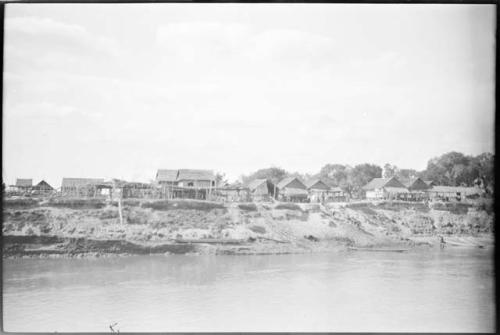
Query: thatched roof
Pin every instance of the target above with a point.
(79, 182)
(184, 174)
(166, 175)
(189, 174)
(316, 183)
(287, 181)
(417, 184)
(377, 183)
(20, 182)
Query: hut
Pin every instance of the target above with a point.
(80, 187)
(292, 189)
(261, 189)
(385, 188)
(318, 190)
(186, 183)
(23, 184)
(417, 188)
(167, 177)
(43, 188)
(336, 194)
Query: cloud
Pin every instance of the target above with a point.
(43, 43)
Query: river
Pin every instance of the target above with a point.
(449, 290)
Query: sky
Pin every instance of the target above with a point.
(120, 90)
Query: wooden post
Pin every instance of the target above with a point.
(120, 210)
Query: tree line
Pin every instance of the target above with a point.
(450, 169)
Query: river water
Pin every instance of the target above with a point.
(439, 291)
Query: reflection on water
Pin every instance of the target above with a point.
(450, 290)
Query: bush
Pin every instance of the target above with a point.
(247, 207)
(77, 203)
(20, 203)
(165, 205)
(258, 229)
(452, 207)
(289, 206)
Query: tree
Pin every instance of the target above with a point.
(389, 170)
(275, 174)
(220, 179)
(361, 174)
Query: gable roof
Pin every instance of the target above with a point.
(166, 175)
(417, 184)
(20, 182)
(429, 182)
(285, 182)
(190, 174)
(256, 183)
(316, 183)
(376, 183)
(79, 182)
(43, 185)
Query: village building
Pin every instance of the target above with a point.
(430, 183)
(23, 185)
(454, 193)
(186, 183)
(43, 188)
(318, 190)
(385, 188)
(83, 187)
(261, 189)
(418, 189)
(293, 190)
(336, 194)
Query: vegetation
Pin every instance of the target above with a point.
(250, 207)
(20, 203)
(181, 204)
(77, 203)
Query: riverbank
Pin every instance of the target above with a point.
(82, 228)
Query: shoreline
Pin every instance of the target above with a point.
(22, 247)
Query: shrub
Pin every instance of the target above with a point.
(258, 229)
(289, 206)
(21, 203)
(247, 207)
(77, 203)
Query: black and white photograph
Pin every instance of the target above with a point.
(248, 167)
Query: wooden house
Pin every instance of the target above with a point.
(43, 188)
(418, 189)
(385, 188)
(261, 189)
(23, 185)
(292, 189)
(167, 177)
(318, 190)
(186, 183)
(196, 178)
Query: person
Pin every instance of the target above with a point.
(442, 242)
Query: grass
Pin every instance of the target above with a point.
(165, 205)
